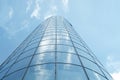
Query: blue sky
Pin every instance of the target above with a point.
(96, 21)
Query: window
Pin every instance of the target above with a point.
(64, 42)
(94, 76)
(15, 76)
(46, 48)
(68, 58)
(47, 42)
(65, 48)
(91, 65)
(43, 58)
(70, 72)
(41, 72)
(19, 65)
(27, 53)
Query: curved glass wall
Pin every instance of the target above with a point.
(53, 51)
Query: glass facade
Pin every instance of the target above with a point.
(53, 51)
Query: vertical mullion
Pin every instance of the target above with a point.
(55, 48)
(76, 50)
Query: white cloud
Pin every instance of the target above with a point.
(116, 75)
(29, 3)
(36, 11)
(114, 66)
(65, 4)
(12, 30)
(51, 12)
(10, 14)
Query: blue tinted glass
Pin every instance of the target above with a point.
(8, 64)
(47, 42)
(19, 65)
(64, 42)
(70, 72)
(48, 37)
(94, 76)
(27, 53)
(41, 72)
(15, 76)
(87, 63)
(108, 75)
(65, 48)
(43, 58)
(45, 48)
(63, 37)
(31, 46)
(68, 58)
(84, 54)
(2, 73)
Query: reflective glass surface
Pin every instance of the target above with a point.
(53, 51)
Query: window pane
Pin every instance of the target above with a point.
(70, 72)
(19, 65)
(15, 76)
(31, 46)
(48, 37)
(80, 47)
(108, 75)
(3, 73)
(46, 48)
(65, 42)
(84, 54)
(64, 48)
(8, 64)
(27, 53)
(47, 42)
(43, 58)
(94, 76)
(63, 37)
(41, 72)
(87, 63)
(67, 58)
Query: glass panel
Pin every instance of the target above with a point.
(70, 72)
(62, 34)
(43, 58)
(8, 64)
(49, 33)
(84, 54)
(3, 73)
(48, 37)
(87, 63)
(47, 42)
(15, 76)
(62, 31)
(46, 48)
(63, 37)
(41, 72)
(68, 58)
(34, 41)
(27, 53)
(31, 46)
(19, 65)
(80, 47)
(65, 42)
(65, 48)
(108, 75)
(94, 76)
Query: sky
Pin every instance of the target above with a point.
(96, 21)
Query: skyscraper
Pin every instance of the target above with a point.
(53, 51)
